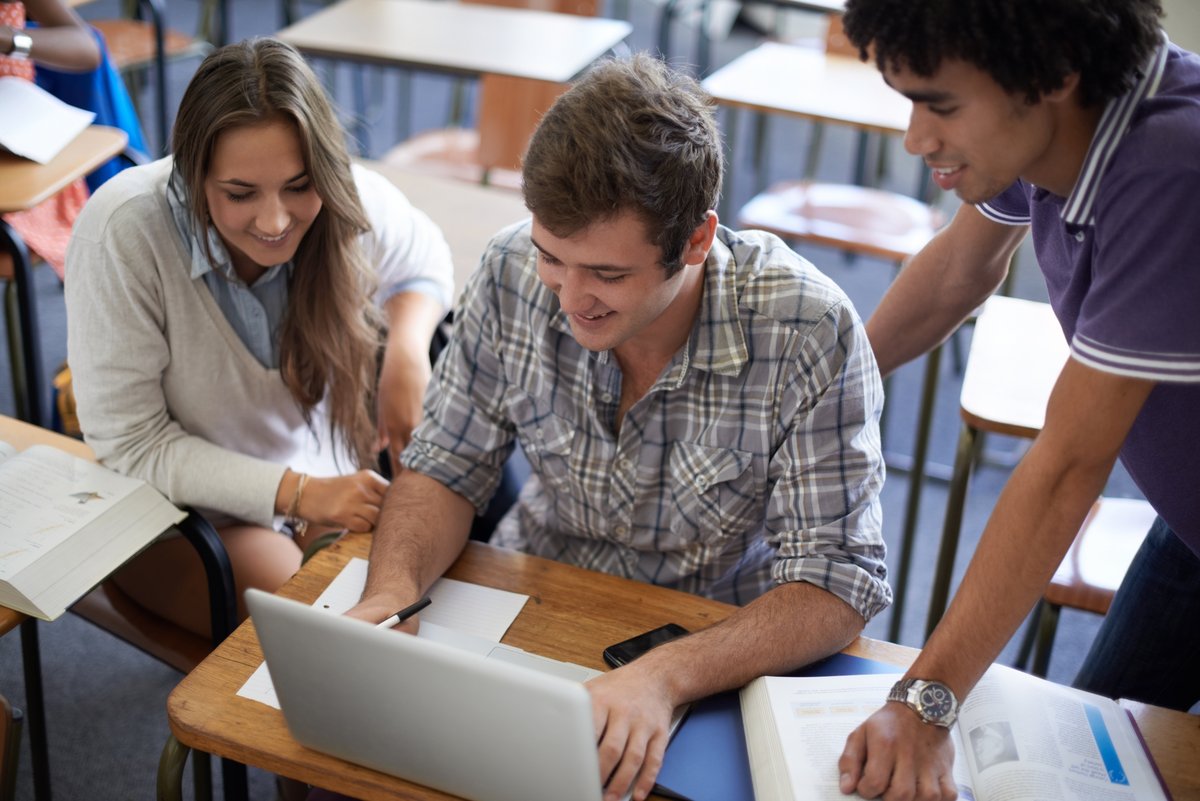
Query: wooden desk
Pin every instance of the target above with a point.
(24, 184)
(457, 38)
(204, 712)
(1174, 740)
(468, 214)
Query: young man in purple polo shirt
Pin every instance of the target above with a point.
(1076, 120)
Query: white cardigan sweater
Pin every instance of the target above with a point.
(166, 390)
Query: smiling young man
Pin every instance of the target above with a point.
(699, 407)
(1077, 121)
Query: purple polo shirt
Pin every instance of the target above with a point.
(1121, 258)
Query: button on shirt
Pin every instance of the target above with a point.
(753, 460)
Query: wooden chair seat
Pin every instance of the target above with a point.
(131, 42)
(109, 608)
(1096, 563)
(860, 220)
(449, 153)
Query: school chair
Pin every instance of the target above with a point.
(137, 46)
(509, 110)
(111, 610)
(1017, 352)
(1090, 573)
(10, 748)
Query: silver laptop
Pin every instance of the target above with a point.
(477, 719)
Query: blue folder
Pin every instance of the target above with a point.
(706, 760)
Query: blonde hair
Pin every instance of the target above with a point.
(331, 331)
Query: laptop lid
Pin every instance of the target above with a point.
(424, 711)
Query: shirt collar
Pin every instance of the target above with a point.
(1114, 124)
(200, 264)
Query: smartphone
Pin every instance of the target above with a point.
(625, 652)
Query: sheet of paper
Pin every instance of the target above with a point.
(482, 612)
(36, 124)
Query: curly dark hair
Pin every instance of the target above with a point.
(630, 135)
(1028, 47)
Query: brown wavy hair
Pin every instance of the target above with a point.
(331, 331)
(630, 135)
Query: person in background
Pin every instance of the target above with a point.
(699, 408)
(227, 308)
(63, 41)
(1078, 122)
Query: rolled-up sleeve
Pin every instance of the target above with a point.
(824, 511)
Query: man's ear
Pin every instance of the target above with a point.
(701, 239)
(1069, 87)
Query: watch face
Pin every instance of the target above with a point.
(936, 700)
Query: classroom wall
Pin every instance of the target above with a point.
(1182, 21)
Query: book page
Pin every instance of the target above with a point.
(36, 124)
(46, 495)
(481, 612)
(814, 716)
(1025, 737)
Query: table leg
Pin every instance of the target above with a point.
(36, 710)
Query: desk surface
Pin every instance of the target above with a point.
(803, 82)
(457, 38)
(468, 214)
(205, 713)
(21, 435)
(25, 183)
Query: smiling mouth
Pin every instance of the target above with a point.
(271, 240)
(591, 317)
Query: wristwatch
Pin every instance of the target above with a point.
(22, 43)
(932, 700)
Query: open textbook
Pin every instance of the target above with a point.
(65, 524)
(1017, 737)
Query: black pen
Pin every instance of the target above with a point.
(405, 613)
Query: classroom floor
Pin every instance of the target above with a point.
(106, 701)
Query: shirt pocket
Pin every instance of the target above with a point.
(548, 442)
(713, 491)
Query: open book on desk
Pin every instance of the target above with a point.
(66, 523)
(1017, 737)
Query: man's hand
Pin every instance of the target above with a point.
(897, 756)
(381, 606)
(632, 710)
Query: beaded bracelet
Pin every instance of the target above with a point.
(292, 518)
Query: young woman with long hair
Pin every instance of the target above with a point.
(227, 307)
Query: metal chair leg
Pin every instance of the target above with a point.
(27, 326)
(968, 444)
(1047, 626)
(170, 770)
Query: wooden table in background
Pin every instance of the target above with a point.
(457, 38)
(562, 619)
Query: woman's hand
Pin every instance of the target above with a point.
(351, 502)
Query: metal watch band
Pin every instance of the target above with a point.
(22, 44)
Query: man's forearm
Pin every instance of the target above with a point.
(1036, 517)
(422, 529)
(940, 287)
(789, 626)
